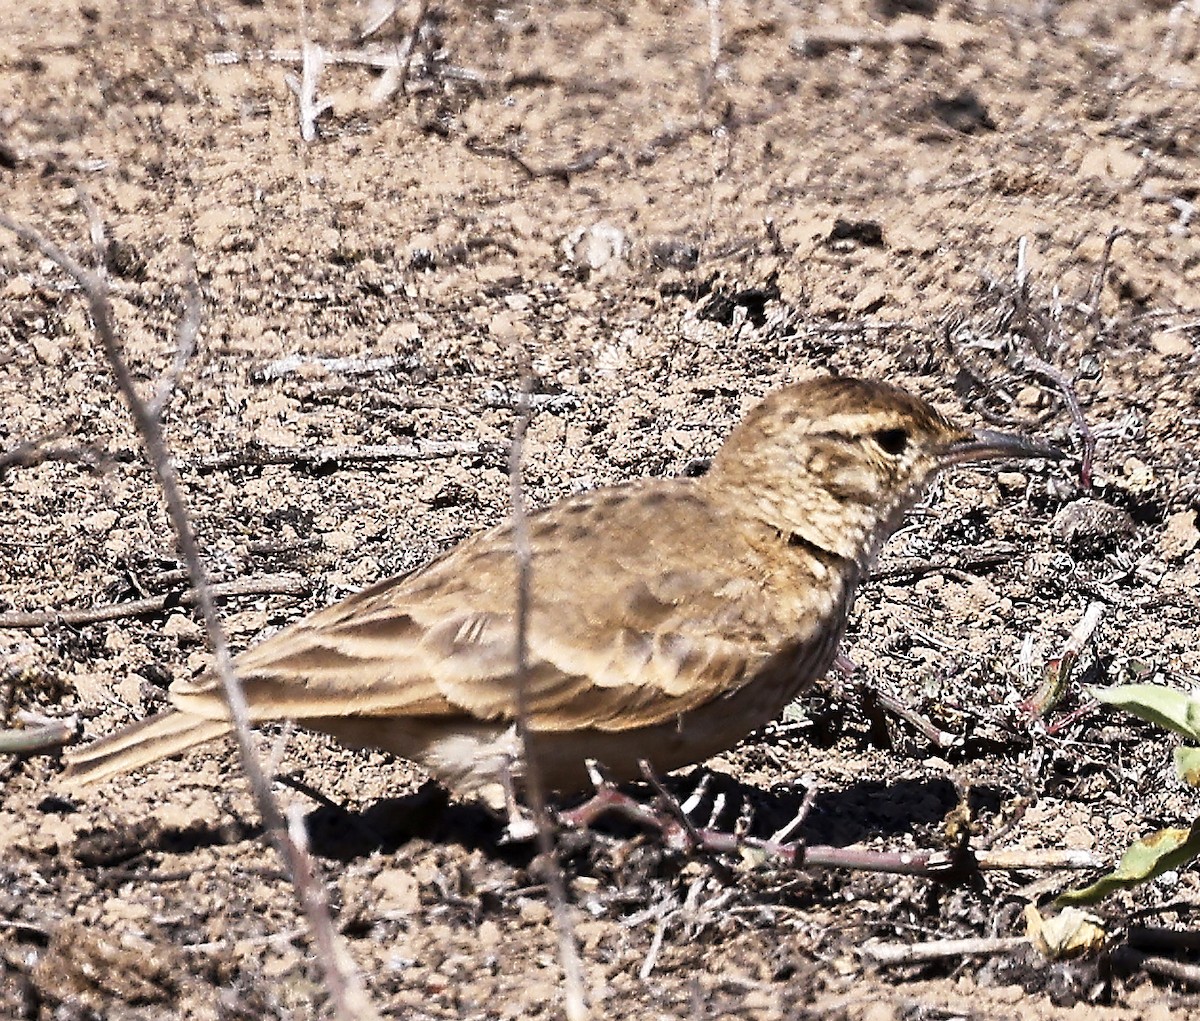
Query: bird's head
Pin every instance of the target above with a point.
(837, 461)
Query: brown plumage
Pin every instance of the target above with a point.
(668, 617)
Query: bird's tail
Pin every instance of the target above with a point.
(153, 739)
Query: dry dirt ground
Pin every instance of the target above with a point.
(669, 220)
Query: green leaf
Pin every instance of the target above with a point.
(1146, 859)
(1187, 764)
(1168, 707)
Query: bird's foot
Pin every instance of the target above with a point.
(607, 798)
(666, 815)
(521, 823)
(520, 828)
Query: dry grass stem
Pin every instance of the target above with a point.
(186, 334)
(269, 584)
(915, 953)
(423, 450)
(303, 365)
(38, 734)
(574, 993)
(304, 88)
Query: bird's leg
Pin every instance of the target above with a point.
(790, 828)
(666, 815)
(673, 822)
(521, 825)
(608, 798)
(671, 819)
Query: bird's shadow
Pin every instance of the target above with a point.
(861, 811)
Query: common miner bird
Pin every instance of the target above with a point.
(668, 618)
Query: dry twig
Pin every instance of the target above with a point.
(945, 866)
(185, 340)
(574, 993)
(271, 584)
(295, 365)
(422, 450)
(938, 949)
(38, 734)
(30, 453)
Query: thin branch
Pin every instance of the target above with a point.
(31, 453)
(353, 366)
(423, 450)
(95, 291)
(39, 734)
(305, 87)
(792, 826)
(945, 866)
(186, 333)
(568, 953)
(936, 950)
(942, 865)
(1052, 374)
(270, 584)
(1097, 291)
(1176, 971)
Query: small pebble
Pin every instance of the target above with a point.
(1091, 526)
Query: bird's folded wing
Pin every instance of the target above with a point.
(655, 630)
(421, 659)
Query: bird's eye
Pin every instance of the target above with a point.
(892, 441)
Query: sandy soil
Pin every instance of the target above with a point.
(668, 236)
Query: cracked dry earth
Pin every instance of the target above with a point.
(669, 216)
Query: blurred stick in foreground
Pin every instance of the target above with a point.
(346, 990)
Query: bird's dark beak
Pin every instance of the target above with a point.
(987, 444)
